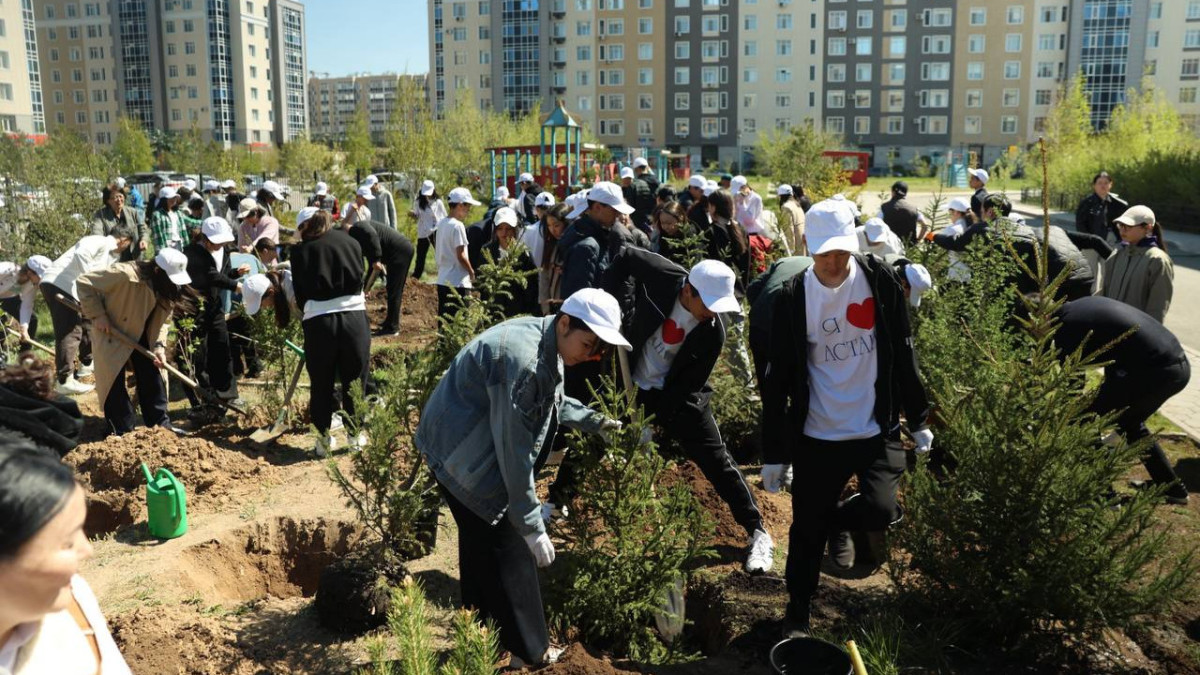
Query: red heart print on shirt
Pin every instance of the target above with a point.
(672, 334)
(862, 315)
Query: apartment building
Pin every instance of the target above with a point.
(230, 68)
(334, 101)
(1173, 54)
(21, 105)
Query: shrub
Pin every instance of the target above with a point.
(629, 544)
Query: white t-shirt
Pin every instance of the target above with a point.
(662, 346)
(534, 242)
(842, 363)
(451, 234)
(427, 219)
(9, 288)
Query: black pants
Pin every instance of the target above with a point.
(338, 349)
(213, 358)
(1141, 393)
(448, 302)
(759, 342)
(12, 307)
(578, 382)
(499, 579)
(397, 275)
(423, 246)
(241, 348)
(152, 396)
(72, 337)
(821, 471)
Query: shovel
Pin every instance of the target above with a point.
(268, 434)
(131, 343)
(33, 342)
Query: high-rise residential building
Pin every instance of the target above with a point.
(897, 78)
(21, 104)
(234, 69)
(334, 101)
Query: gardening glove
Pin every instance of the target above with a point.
(772, 476)
(924, 440)
(609, 427)
(542, 548)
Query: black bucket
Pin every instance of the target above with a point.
(809, 656)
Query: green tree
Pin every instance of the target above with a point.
(412, 136)
(132, 151)
(358, 151)
(795, 156)
(300, 159)
(1069, 123)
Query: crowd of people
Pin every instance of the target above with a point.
(633, 265)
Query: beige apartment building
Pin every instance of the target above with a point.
(21, 106)
(1173, 54)
(334, 101)
(230, 68)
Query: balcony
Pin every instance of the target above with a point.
(558, 9)
(559, 89)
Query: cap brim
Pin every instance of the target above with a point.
(472, 202)
(577, 211)
(914, 297)
(841, 242)
(625, 208)
(722, 304)
(252, 304)
(180, 278)
(367, 197)
(1125, 221)
(878, 239)
(221, 238)
(609, 335)
(426, 193)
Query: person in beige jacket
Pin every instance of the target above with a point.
(1139, 272)
(791, 219)
(136, 300)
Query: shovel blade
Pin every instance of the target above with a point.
(268, 434)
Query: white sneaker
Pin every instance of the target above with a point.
(86, 369)
(325, 445)
(73, 387)
(335, 422)
(361, 440)
(552, 655)
(762, 553)
(550, 511)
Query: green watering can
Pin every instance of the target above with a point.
(166, 504)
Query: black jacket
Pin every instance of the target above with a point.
(328, 267)
(785, 391)
(586, 248)
(639, 195)
(657, 283)
(207, 280)
(977, 201)
(1098, 217)
(650, 179)
(524, 297)
(381, 243)
(902, 217)
(527, 203)
(1096, 321)
(1027, 243)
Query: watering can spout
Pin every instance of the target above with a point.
(146, 472)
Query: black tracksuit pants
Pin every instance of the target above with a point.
(448, 302)
(498, 578)
(241, 349)
(72, 334)
(12, 307)
(821, 469)
(397, 275)
(423, 246)
(1141, 393)
(213, 357)
(152, 395)
(338, 349)
(695, 429)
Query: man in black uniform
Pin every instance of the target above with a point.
(900, 215)
(387, 252)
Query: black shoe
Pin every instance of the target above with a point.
(1176, 495)
(386, 332)
(841, 550)
(179, 431)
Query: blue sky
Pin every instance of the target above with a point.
(371, 36)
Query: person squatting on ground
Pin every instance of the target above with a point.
(428, 210)
(1147, 368)
(327, 278)
(486, 432)
(18, 290)
(71, 339)
(455, 273)
(50, 620)
(841, 364)
(386, 252)
(1139, 272)
(136, 299)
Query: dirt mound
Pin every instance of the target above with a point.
(111, 468)
(577, 661)
(282, 558)
(418, 311)
(166, 640)
(776, 509)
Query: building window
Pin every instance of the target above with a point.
(895, 125)
(1008, 124)
(645, 76)
(1187, 94)
(864, 19)
(682, 126)
(835, 125)
(1046, 41)
(1191, 39)
(835, 99)
(896, 73)
(1015, 16)
(683, 101)
(937, 72)
(783, 48)
(783, 101)
(1042, 97)
(645, 102)
(895, 101)
(612, 127)
(897, 46)
(1193, 10)
(836, 21)
(172, 71)
(862, 46)
(976, 44)
(862, 125)
(1012, 70)
(835, 72)
(862, 99)
(750, 48)
(749, 125)
(750, 22)
(975, 70)
(683, 75)
(836, 47)
(974, 98)
(1045, 69)
(645, 127)
(978, 16)
(683, 25)
(6, 91)
(683, 50)
(862, 72)
(1012, 43)
(972, 124)
(645, 26)
(1011, 98)
(783, 21)
(750, 75)
(935, 44)
(1190, 68)
(783, 75)
(899, 19)
(937, 17)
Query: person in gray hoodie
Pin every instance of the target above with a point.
(383, 207)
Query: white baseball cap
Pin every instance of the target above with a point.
(697, 181)
(737, 183)
(919, 280)
(461, 195)
(876, 230)
(714, 281)
(958, 204)
(174, 263)
(505, 216)
(305, 213)
(254, 287)
(600, 312)
(1136, 215)
(371, 180)
(829, 226)
(525, 178)
(501, 193)
(980, 174)
(578, 203)
(38, 264)
(609, 194)
(217, 230)
(245, 206)
(273, 187)
(167, 192)
(626, 172)
(210, 185)
(544, 200)
(641, 163)
(120, 182)
(427, 188)
(710, 187)
(190, 184)
(784, 189)
(364, 191)
(228, 183)
(847, 203)
(322, 189)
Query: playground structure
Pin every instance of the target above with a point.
(563, 163)
(853, 163)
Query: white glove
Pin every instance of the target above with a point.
(924, 440)
(541, 547)
(647, 435)
(772, 476)
(608, 427)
